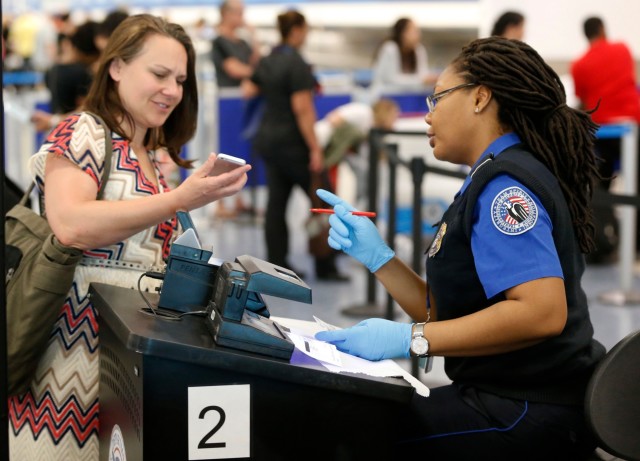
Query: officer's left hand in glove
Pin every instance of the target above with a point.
(372, 339)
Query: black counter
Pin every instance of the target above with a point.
(297, 410)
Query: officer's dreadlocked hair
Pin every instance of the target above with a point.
(532, 102)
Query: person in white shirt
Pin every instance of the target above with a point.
(401, 62)
(359, 116)
(343, 133)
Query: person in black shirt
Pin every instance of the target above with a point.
(234, 60)
(233, 57)
(286, 138)
(69, 81)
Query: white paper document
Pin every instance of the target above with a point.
(214, 261)
(302, 334)
(324, 325)
(382, 369)
(189, 238)
(319, 350)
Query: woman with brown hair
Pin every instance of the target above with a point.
(401, 62)
(145, 93)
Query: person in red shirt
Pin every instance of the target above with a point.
(604, 78)
(606, 73)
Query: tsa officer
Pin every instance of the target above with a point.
(503, 302)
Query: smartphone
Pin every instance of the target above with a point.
(225, 163)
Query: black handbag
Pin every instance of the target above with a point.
(38, 276)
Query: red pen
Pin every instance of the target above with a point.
(368, 214)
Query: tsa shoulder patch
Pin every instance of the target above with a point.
(513, 211)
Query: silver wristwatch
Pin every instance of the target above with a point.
(419, 344)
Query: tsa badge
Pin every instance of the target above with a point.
(437, 241)
(513, 211)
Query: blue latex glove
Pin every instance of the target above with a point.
(372, 339)
(357, 236)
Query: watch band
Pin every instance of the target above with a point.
(415, 332)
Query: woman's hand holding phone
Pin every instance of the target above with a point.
(209, 183)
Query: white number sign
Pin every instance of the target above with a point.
(219, 422)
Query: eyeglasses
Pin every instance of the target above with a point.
(432, 100)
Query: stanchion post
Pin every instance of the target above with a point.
(629, 164)
(375, 141)
(369, 308)
(392, 154)
(625, 294)
(418, 169)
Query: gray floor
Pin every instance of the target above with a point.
(232, 237)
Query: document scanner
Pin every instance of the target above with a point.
(190, 272)
(237, 315)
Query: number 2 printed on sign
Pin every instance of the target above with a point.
(204, 443)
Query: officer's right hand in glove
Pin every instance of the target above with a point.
(357, 236)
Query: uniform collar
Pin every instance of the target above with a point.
(495, 148)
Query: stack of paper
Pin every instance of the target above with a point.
(302, 334)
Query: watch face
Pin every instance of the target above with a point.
(419, 346)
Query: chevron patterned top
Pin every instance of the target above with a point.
(57, 418)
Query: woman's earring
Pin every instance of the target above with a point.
(477, 110)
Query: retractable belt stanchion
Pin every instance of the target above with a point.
(376, 145)
(392, 153)
(628, 132)
(370, 308)
(418, 169)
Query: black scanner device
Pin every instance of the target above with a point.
(237, 315)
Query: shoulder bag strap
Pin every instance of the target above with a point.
(25, 198)
(108, 154)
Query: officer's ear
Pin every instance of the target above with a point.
(483, 97)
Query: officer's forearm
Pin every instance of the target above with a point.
(406, 287)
